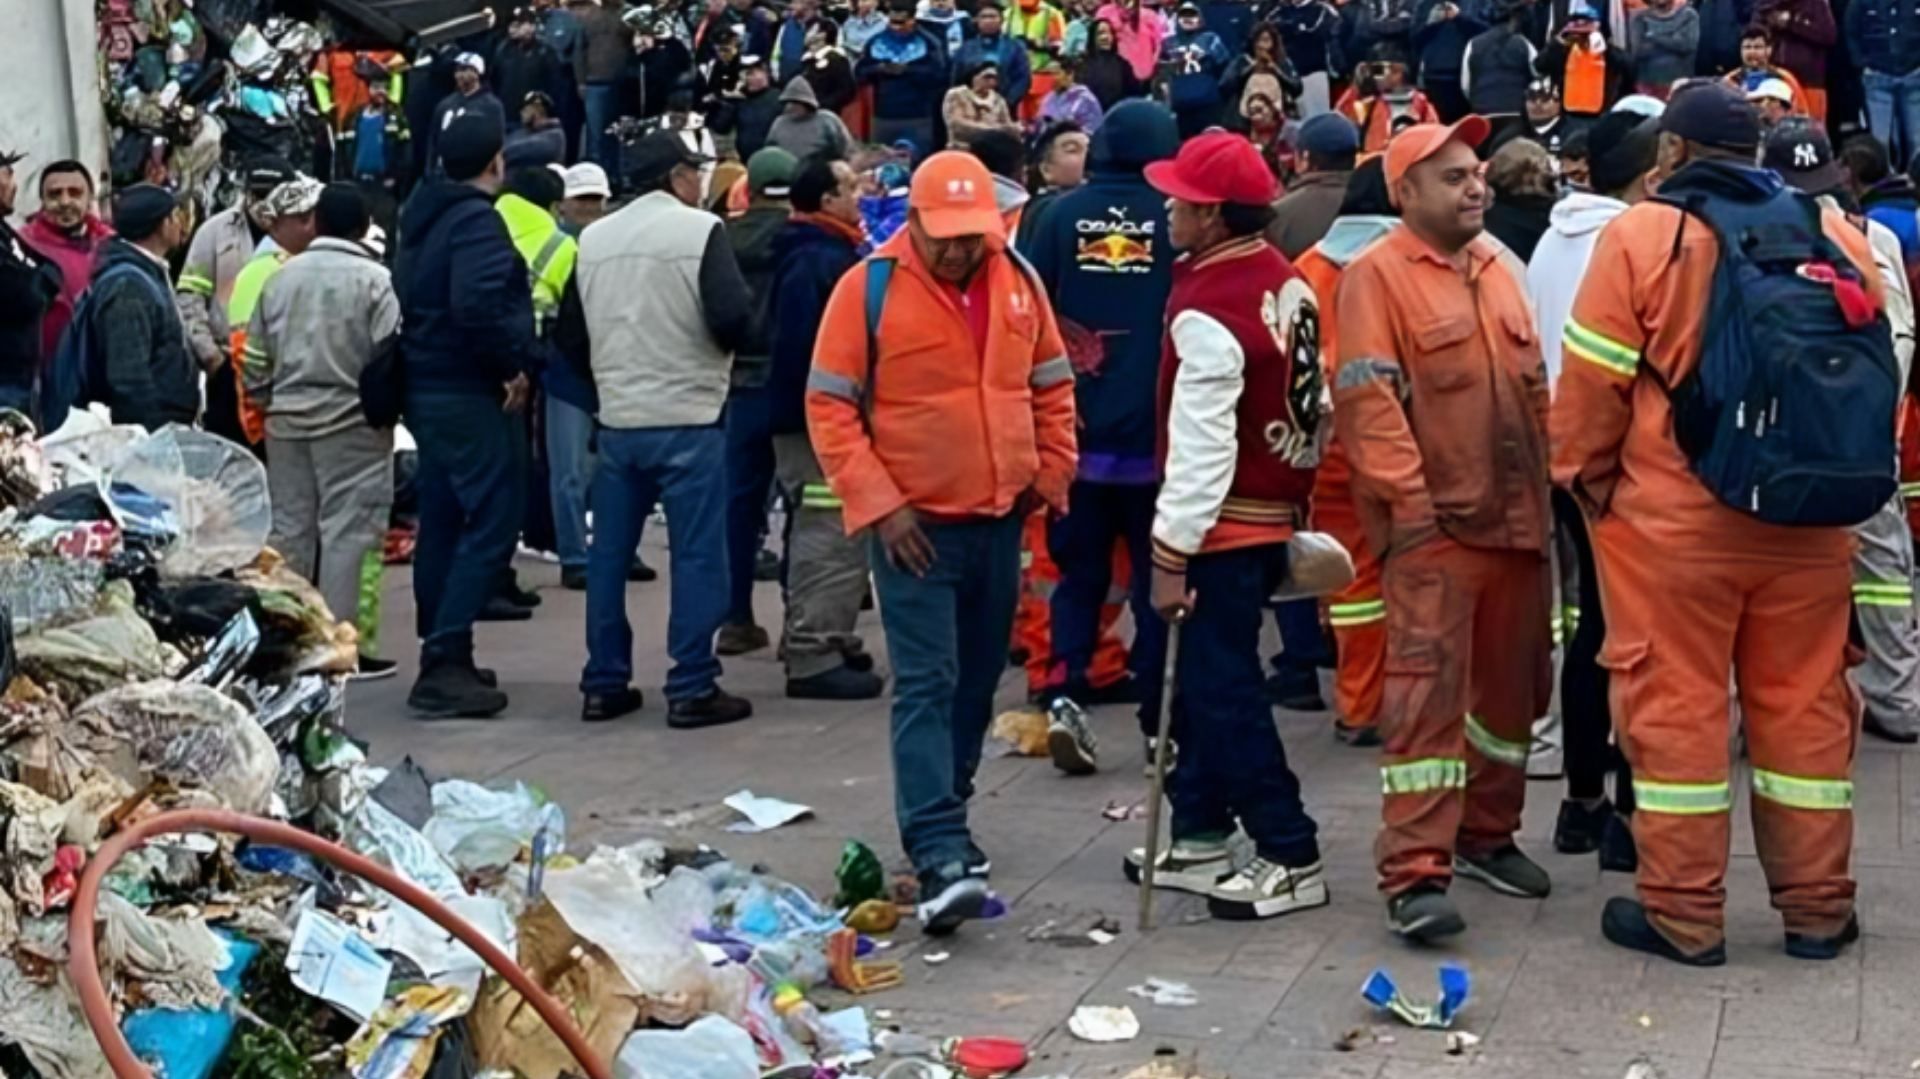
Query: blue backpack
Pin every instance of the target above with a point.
(76, 378)
(1789, 415)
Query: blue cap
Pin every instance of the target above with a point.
(1329, 135)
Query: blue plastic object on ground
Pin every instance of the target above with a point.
(1455, 986)
(187, 1045)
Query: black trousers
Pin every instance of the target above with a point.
(1585, 717)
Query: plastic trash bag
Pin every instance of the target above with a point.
(85, 446)
(609, 907)
(47, 1028)
(378, 834)
(110, 647)
(39, 590)
(189, 735)
(299, 635)
(217, 490)
(175, 962)
(712, 1048)
(477, 828)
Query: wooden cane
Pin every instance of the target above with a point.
(1152, 860)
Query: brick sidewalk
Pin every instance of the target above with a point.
(1550, 998)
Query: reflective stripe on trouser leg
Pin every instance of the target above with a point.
(1799, 792)
(1494, 748)
(1889, 678)
(1427, 774)
(1510, 682)
(367, 615)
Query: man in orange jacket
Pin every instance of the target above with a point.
(1694, 589)
(941, 407)
(1440, 400)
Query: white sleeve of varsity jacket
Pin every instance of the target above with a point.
(1202, 436)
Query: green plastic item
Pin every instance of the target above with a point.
(859, 875)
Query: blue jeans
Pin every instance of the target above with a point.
(749, 423)
(1232, 765)
(1303, 644)
(1081, 544)
(947, 636)
(686, 465)
(602, 103)
(570, 478)
(1893, 112)
(471, 488)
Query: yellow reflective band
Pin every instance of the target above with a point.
(196, 284)
(1600, 349)
(1910, 489)
(819, 496)
(1682, 799)
(1357, 614)
(1493, 747)
(1559, 627)
(1795, 792)
(1882, 594)
(1418, 777)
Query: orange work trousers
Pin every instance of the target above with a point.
(1357, 613)
(1033, 618)
(1675, 627)
(1468, 667)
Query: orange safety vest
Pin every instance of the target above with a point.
(1586, 81)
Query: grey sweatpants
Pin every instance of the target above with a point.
(1883, 603)
(331, 497)
(826, 568)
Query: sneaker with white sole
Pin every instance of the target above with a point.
(1173, 756)
(1190, 865)
(948, 897)
(1507, 871)
(1264, 889)
(1070, 740)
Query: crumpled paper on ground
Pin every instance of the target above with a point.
(609, 907)
(174, 962)
(190, 735)
(109, 647)
(43, 1022)
(1024, 730)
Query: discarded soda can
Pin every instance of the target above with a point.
(1455, 984)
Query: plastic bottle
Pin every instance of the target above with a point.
(803, 1020)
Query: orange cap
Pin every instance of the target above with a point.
(953, 194)
(1422, 141)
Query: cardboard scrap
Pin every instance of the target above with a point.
(508, 1033)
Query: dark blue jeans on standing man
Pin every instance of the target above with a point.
(687, 467)
(1232, 765)
(749, 423)
(472, 493)
(602, 105)
(947, 636)
(1081, 544)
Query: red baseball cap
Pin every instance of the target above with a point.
(1218, 166)
(1422, 141)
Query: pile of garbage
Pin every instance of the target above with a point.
(189, 88)
(155, 656)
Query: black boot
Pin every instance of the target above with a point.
(842, 683)
(1625, 923)
(501, 609)
(1617, 852)
(1579, 828)
(452, 689)
(600, 707)
(1803, 946)
(712, 710)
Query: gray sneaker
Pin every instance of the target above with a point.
(1507, 871)
(1190, 865)
(1266, 889)
(1424, 915)
(1070, 740)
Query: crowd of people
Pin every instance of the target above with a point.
(1456, 337)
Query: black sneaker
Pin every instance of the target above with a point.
(488, 677)
(1617, 852)
(1069, 740)
(641, 573)
(1365, 737)
(948, 897)
(1424, 915)
(573, 580)
(978, 864)
(502, 609)
(766, 566)
(1625, 923)
(511, 591)
(712, 710)
(842, 683)
(370, 669)
(1578, 829)
(1880, 730)
(1507, 871)
(858, 661)
(600, 707)
(739, 638)
(1802, 946)
(454, 691)
(1190, 865)
(1296, 690)
(1263, 889)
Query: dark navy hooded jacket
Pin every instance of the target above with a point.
(466, 303)
(1103, 254)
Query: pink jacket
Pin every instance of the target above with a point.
(1139, 44)
(75, 259)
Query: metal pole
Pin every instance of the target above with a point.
(1152, 860)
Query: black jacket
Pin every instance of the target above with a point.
(151, 376)
(1519, 221)
(808, 261)
(466, 305)
(1110, 78)
(29, 283)
(753, 117)
(519, 70)
(752, 236)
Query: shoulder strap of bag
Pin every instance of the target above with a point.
(879, 276)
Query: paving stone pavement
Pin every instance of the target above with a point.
(1550, 998)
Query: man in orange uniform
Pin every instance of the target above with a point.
(1440, 400)
(941, 407)
(1693, 588)
(1358, 612)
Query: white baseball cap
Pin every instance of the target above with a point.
(587, 178)
(1772, 89)
(472, 60)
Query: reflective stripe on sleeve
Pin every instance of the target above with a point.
(819, 496)
(833, 385)
(1600, 350)
(1682, 799)
(1051, 373)
(1417, 777)
(1796, 792)
(1493, 747)
(1356, 373)
(1357, 614)
(1910, 490)
(197, 284)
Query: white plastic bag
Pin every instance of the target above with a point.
(477, 828)
(712, 1048)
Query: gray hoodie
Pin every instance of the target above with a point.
(818, 133)
(1560, 261)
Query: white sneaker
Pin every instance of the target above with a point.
(1266, 889)
(1188, 866)
(1070, 741)
(1546, 759)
